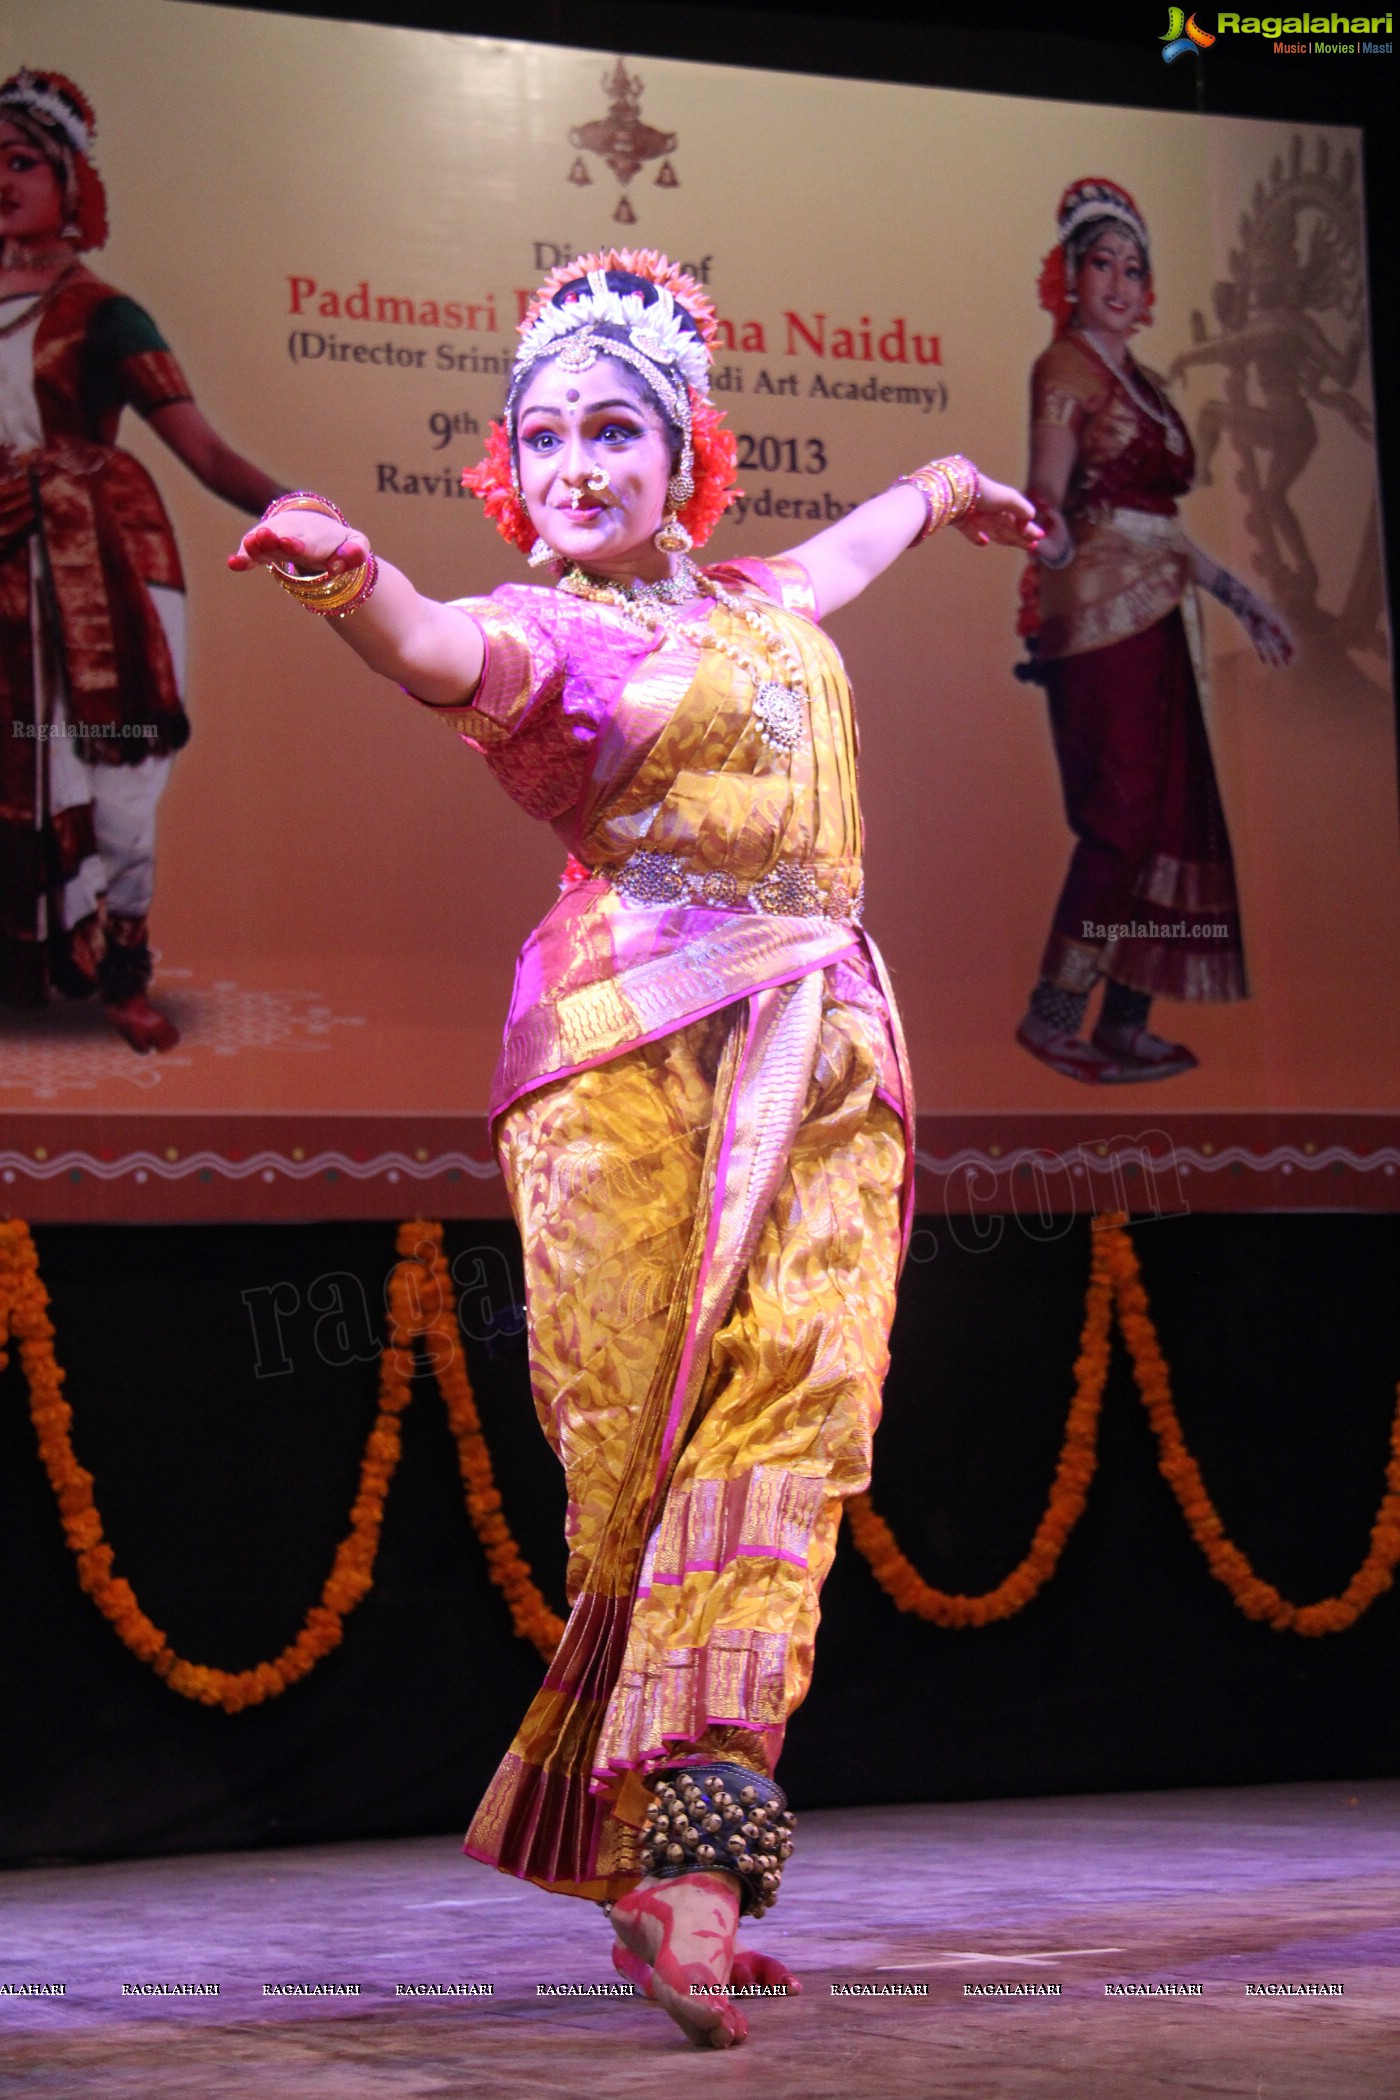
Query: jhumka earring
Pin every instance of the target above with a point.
(672, 537)
(540, 553)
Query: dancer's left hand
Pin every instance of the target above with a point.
(1002, 515)
(1269, 632)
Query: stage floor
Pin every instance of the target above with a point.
(985, 1909)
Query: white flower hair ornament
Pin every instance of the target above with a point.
(655, 328)
(43, 97)
(1094, 198)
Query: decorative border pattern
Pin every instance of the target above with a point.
(270, 1166)
(1048, 1167)
(152, 1168)
(1187, 1159)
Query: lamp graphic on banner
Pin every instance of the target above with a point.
(622, 141)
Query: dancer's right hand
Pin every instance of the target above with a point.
(302, 540)
(436, 652)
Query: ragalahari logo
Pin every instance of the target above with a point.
(1183, 35)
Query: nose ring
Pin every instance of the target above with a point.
(597, 480)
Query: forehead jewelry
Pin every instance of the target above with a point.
(579, 352)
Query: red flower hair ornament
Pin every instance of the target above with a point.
(56, 108)
(1085, 203)
(680, 354)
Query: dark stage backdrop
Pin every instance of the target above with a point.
(225, 1491)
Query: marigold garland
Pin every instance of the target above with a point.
(436, 1323)
(421, 1312)
(420, 1307)
(1115, 1280)
(898, 1576)
(1256, 1598)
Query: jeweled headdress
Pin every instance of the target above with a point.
(1085, 204)
(575, 317)
(53, 106)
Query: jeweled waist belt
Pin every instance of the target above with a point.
(791, 890)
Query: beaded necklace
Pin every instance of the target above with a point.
(1145, 397)
(777, 703)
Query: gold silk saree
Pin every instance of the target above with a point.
(702, 1113)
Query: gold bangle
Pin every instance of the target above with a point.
(324, 593)
(303, 499)
(950, 488)
(965, 482)
(299, 586)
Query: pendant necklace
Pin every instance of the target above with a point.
(1128, 375)
(778, 703)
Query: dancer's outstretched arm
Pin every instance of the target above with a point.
(435, 650)
(847, 556)
(1054, 450)
(198, 445)
(1267, 629)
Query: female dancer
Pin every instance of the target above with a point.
(1149, 903)
(92, 631)
(702, 1107)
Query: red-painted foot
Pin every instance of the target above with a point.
(683, 1932)
(632, 1968)
(751, 1967)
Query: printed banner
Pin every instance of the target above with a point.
(324, 233)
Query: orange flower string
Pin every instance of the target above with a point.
(421, 1311)
(1256, 1598)
(24, 1306)
(1115, 1279)
(24, 1316)
(530, 1614)
(901, 1580)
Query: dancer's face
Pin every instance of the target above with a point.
(571, 425)
(1112, 285)
(31, 199)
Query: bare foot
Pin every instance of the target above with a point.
(633, 1968)
(144, 1026)
(748, 1967)
(682, 1931)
